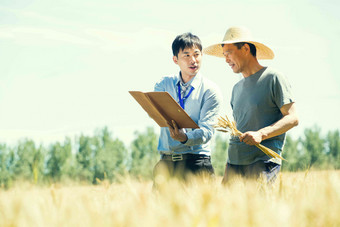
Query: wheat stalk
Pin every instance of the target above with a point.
(225, 125)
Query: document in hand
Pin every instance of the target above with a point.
(163, 108)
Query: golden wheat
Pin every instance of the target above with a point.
(296, 199)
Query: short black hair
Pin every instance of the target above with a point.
(251, 46)
(185, 40)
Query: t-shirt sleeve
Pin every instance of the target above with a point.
(282, 91)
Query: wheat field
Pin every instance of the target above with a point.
(296, 199)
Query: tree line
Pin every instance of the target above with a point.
(92, 159)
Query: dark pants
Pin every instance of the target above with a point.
(183, 169)
(268, 171)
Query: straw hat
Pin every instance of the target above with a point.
(236, 35)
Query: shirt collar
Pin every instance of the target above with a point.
(195, 82)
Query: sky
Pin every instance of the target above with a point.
(67, 65)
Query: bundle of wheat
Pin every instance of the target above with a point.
(225, 125)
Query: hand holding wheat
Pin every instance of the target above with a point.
(225, 125)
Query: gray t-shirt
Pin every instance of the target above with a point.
(256, 102)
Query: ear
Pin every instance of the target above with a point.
(246, 48)
(175, 59)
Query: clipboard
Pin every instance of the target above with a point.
(162, 108)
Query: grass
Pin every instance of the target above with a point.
(296, 199)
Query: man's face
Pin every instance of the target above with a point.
(189, 61)
(234, 57)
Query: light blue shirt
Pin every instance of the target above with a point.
(203, 106)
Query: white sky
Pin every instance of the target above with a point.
(67, 65)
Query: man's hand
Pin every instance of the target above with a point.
(251, 138)
(288, 121)
(177, 134)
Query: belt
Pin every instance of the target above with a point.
(181, 157)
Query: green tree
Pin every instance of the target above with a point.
(85, 157)
(6, 164)
(219, 153)
(292, 155)
(29, 161)
(59, 157)
(333, 148)
(144, 154)
(110, 160)
(313, 147)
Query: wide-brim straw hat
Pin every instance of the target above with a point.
(237, 35)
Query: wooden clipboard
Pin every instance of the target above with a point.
(162, 108)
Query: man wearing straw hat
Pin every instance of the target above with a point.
(185, 151)
(262, 104)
